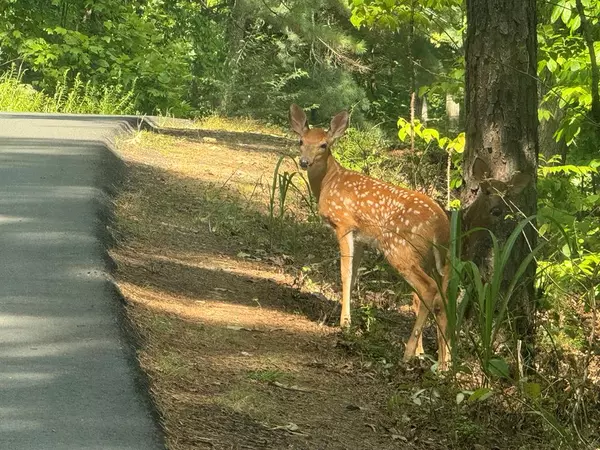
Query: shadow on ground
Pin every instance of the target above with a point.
(183, 223)
(243, 140)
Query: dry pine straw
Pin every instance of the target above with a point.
(236, 356)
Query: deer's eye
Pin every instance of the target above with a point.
(301, 142)
(323, 145)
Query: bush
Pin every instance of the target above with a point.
(363, 151)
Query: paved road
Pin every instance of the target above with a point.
(68, 378)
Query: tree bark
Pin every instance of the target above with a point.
(501, 127)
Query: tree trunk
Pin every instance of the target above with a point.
(501, 127)
(236, 27)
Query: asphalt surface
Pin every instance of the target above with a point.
(68, 375)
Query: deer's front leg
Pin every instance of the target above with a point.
(359, 251)
(346, 241)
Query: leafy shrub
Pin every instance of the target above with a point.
(362, 150)
(117, 45)
(569, 273)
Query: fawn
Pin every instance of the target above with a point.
(410, 228)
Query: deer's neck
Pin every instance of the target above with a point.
(321, 173)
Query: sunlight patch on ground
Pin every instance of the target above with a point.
(211, 261)
(214, 311)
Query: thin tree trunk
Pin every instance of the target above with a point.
(413, 82)
(501, 126)
(589, 40)
(452, 112)
(424, 110)
(235, 39)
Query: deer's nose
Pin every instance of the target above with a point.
(304, 162)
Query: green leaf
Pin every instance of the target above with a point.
(532, 390)
(402, 133)
(575, 23)
(542, 63)
(574, 65)
(499, 368)
(356, 20)
(481, 394)
(430, 134)
(566, 15)
(543, 114)
(556, 12)
(552, 66)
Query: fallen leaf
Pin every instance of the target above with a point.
(291, 387)
(246, 354)
(291, 428)
(372, 427)
(399, 437)
(236, 328)
(218, 289)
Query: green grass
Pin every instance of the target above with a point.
(266, 376)
(217, 122)
(70, 96)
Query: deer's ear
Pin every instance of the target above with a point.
(480, 170)
(518, 182)
(338, 125)
(298, 120)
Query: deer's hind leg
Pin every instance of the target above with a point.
(426, 291)
(430, 302)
